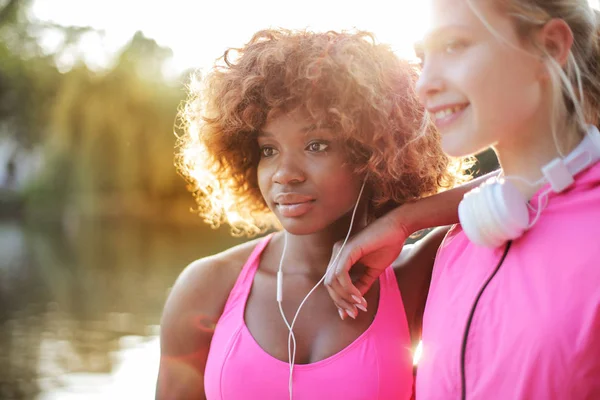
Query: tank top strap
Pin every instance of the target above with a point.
(242, 285)
(390, 301)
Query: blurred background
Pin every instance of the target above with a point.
(95, 224)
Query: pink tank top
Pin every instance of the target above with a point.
(519, 322)
(377, 365)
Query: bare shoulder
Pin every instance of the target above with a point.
(220, 269)
(423, 251)
(191, 312)
(200, 292)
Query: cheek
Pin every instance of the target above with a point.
(264, 180)
(504, 89)
(342, 187)
(512, 104)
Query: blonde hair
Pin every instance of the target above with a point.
(576, 86)
(345, 80)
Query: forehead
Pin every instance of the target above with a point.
(294, 120)
(473, 15)
(297, 121)
(443, 12)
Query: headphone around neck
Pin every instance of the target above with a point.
(496, 212)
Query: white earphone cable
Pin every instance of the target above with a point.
(291, 337)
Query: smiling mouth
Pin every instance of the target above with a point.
(447, 115)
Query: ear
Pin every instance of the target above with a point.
(556, 38)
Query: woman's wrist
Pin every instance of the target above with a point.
(437, 210)
(424, 213)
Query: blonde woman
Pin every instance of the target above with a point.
(513, 310)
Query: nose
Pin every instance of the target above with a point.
(289, 170)
(430, 83)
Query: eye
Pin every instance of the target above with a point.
(267, 151)
(421, 59)
(317, 147)
(454, 46)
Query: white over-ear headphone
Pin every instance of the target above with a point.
(496, 211)
(291, 337)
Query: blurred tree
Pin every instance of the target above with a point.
(107, 136)
(115, 130)
(28, 75)
(7, 9)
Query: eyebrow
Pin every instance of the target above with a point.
(306, 129)
(435, 34)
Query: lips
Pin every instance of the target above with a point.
(292, 198)
(446, 114)
(292, 205)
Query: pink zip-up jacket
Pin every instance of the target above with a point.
(534, 333)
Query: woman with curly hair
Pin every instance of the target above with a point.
(315, 135)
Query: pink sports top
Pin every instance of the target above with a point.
(377, 365)
(526, 328)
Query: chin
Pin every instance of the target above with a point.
(298, 227)
(458, 145)
(453, 149)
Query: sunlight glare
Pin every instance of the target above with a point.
(199, 32)
(418, 353)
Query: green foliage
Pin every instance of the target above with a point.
(28, 79)
(107, 136)
(116, 128)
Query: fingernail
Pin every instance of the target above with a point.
(341, 312)
(359, 300)
(361, 307)
(351, 313)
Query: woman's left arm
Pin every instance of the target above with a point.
(378, 245)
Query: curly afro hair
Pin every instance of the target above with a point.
(347, 81)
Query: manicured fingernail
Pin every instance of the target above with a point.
(341, 313)
(359, 300)
(361, 307)
(351, 313)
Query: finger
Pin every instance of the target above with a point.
(330, 267)
(348, 256)
(364, 283)
(348, 294)
(351, 303)
(340, 302)
(344, 287)
(341, 273)
(336, 291)
(348, 290)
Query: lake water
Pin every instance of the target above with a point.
(80, 308)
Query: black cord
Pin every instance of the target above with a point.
(463, 349)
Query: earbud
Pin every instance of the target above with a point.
(496, 211)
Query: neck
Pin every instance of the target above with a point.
(531, 147)
(312, 253)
